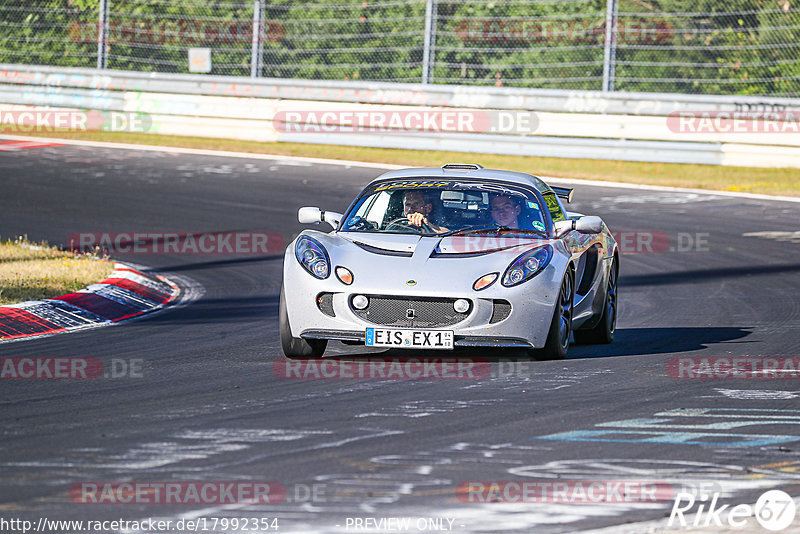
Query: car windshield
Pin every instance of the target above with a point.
(446, 208)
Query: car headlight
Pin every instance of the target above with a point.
(313, 257)
(527, 266)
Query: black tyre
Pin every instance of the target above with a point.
(295, 347)
(557, 343)
(603, 331)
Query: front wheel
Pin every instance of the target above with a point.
(557, 343)
(603, 331)
(296, 347)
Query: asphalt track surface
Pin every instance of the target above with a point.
(209, 407)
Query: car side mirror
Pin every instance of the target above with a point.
(590, 224)
(311, 215)
(562, 227)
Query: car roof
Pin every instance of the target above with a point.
(462, 172)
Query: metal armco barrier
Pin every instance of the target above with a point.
(569, 124)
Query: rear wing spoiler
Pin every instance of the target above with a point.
(563, 192)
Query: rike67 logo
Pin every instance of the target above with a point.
(774, 510)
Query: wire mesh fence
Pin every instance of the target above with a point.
(155, 35)
(38, 33)
(701, 47)
(361, 40)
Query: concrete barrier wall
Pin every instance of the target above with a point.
(570, 124)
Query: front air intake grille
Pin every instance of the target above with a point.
(325, 304)
(501, 309)
(408, 312)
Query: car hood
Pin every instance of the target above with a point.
(462, 245)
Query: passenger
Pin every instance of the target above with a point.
(505, 210)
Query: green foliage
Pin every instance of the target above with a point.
(38, 32)
(704, 46)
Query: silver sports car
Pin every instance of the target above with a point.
(458, 256)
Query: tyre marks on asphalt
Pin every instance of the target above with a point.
(693, 426)
(528, 375)
(379, 482)
(189, 453)
(425, 408)
(404, 482)
(756, 394)
(401, 480)
(781, 236)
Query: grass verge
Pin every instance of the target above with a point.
(31, 271)
(714, 177)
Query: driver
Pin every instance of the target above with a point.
(417, 207)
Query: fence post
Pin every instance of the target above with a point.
(428, 50)
(102, 34)
(610, 48)
(257, 50)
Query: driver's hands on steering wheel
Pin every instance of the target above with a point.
(418, 219)
(403, 222)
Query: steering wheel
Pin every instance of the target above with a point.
(404, 223)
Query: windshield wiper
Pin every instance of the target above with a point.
(490, 228)
(472, 229)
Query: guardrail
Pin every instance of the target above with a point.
(571, 124)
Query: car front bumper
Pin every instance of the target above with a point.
(526, 326)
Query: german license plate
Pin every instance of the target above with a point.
(409, 339)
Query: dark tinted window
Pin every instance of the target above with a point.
(554, 207)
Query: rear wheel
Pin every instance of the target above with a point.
(296, 347)
(603, 331)
(557, 343)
